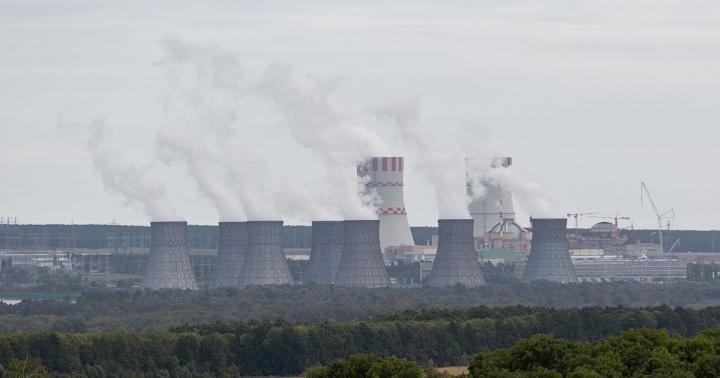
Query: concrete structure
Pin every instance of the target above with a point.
(264, 262)
(456, 261)
(361, 263)
(327, 248)
(169, 264)
(495, 205)
(232, 240)
(384, 176)
(617, 268)
(549, 257)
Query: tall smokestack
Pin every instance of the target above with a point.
(264, 262)
(169, 264)
(385, 176)
(232, 239)
(456, 261)
(495, 204)
(361, 264)
(549, 257)
(327, 248)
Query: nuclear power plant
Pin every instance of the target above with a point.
(232, 240)
(549, 258)
(384, 177)
(264, 262)
(326, 252)
(362, 263)
(169, 264)
(456, 261)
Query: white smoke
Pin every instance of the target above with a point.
(120, 177)
(441, 160)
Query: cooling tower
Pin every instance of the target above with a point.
(361, 264)
(327, 248)
(549, 257)
(384, 175)
(232, 238)
(264, 262)
(169, 264)
(456, 261)
(495, 204)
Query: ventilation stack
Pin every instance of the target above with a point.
(327, 248)
(495, 205)
(549, 257)
(384, 176)
(169, 264)
(456, 261)
(232, 238)
(264, 262)
(361, 264)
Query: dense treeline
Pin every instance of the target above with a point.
(442, 337)
(102, 309)
(638, 353)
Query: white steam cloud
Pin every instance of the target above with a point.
(120, 177)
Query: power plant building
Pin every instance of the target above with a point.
(169, 264)
(264, 262)
(232, 240)
(456, 261)
(549, 258)
(362, 263)
(384, 176)
(326, 252)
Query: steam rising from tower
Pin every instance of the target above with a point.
(549, 257)
(456, 261)
(491, 202)
(384, 177)
(169, 263)
(327, 248)
(232, 240)
(361, 264)
(264, 262)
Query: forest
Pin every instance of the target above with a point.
(432, 336)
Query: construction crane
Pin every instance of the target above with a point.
(616, 218)
(670, 214)
(576, 215)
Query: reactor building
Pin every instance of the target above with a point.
(169, 265)
(456, 261)
(362, 263)
(232, 240)
(549, 258)
(264, 262)
(384, 176)
(326, 251)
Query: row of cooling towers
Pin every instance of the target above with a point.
(344, 253)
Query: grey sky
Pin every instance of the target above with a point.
(589, 97)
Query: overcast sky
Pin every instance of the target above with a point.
(589, 97)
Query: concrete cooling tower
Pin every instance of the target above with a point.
(169, 264)
(327, 248)
(264, 262)
(549, 257)
(361, 264)
(384, 176)
(495, 205)
(232, 239)
(456, 261)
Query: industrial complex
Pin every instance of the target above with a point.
(357, 253)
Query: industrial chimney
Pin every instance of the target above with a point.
(327, 248)
(384, 175)
(549, 257)
(169, 264)
(456, 261)
(232, 238)
(361, 264)
(495, 205)
(264, 262)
